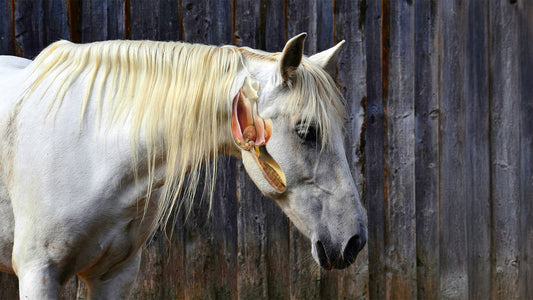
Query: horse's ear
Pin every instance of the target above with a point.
(327, 57)
(292, 56)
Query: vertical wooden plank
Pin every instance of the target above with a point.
(102, 20)
(324, 25)
(144, 22)
(38, 24)
(302, 17)
(195, 21)
(251, 214)
(374, 164)
(6, 27)
(477, 152)
(427, 148)
(220, 19)
(252, 239)
(452, 206)
(525, 12)
(399, 150)
(224, 231)
(504, 153)
(169, 23)
(350, 75)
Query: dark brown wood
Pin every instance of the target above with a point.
(453, 267)
(477, 152)
(427, 115)
(525, 11)
(504, 151)
(38, 24)
(6, 28)
(399, 151)
(374, 163)
(300, 17)
(102, 20)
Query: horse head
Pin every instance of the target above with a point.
(287, 124)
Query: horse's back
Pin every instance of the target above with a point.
(9, 63)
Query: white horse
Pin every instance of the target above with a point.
(100, 142)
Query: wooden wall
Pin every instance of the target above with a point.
(440, 103)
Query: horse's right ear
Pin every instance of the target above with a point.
(292, 56)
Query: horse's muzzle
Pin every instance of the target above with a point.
(330, 257)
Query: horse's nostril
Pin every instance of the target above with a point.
(322, 256)
(355, 244)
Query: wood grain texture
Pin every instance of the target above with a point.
(525, 11)
(453, 265)
(399, 152)
(374, 164)
(38, 24)
(427, 115)
(504, 153)
(6, 28)
(102, 20)
(477, 152)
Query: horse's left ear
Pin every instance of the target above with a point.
(292, 56)
(327, 57)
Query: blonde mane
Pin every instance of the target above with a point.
(177, 96)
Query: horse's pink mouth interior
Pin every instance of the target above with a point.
(251, 133)
(248, 128)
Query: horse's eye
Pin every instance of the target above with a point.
(307, 133)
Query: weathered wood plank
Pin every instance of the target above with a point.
(374, 164)
(196, 25)
(6, 28)
(350, 72)
(426, 109)
(477, 153)
(453, 201)
(504, 151)
(252, 239)
(301, 17)
(399, 150)
(37, 24)
(102, 20)
(220, 16)
(145, 19)
(526, 148)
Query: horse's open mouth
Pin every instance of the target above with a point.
(251, 133)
